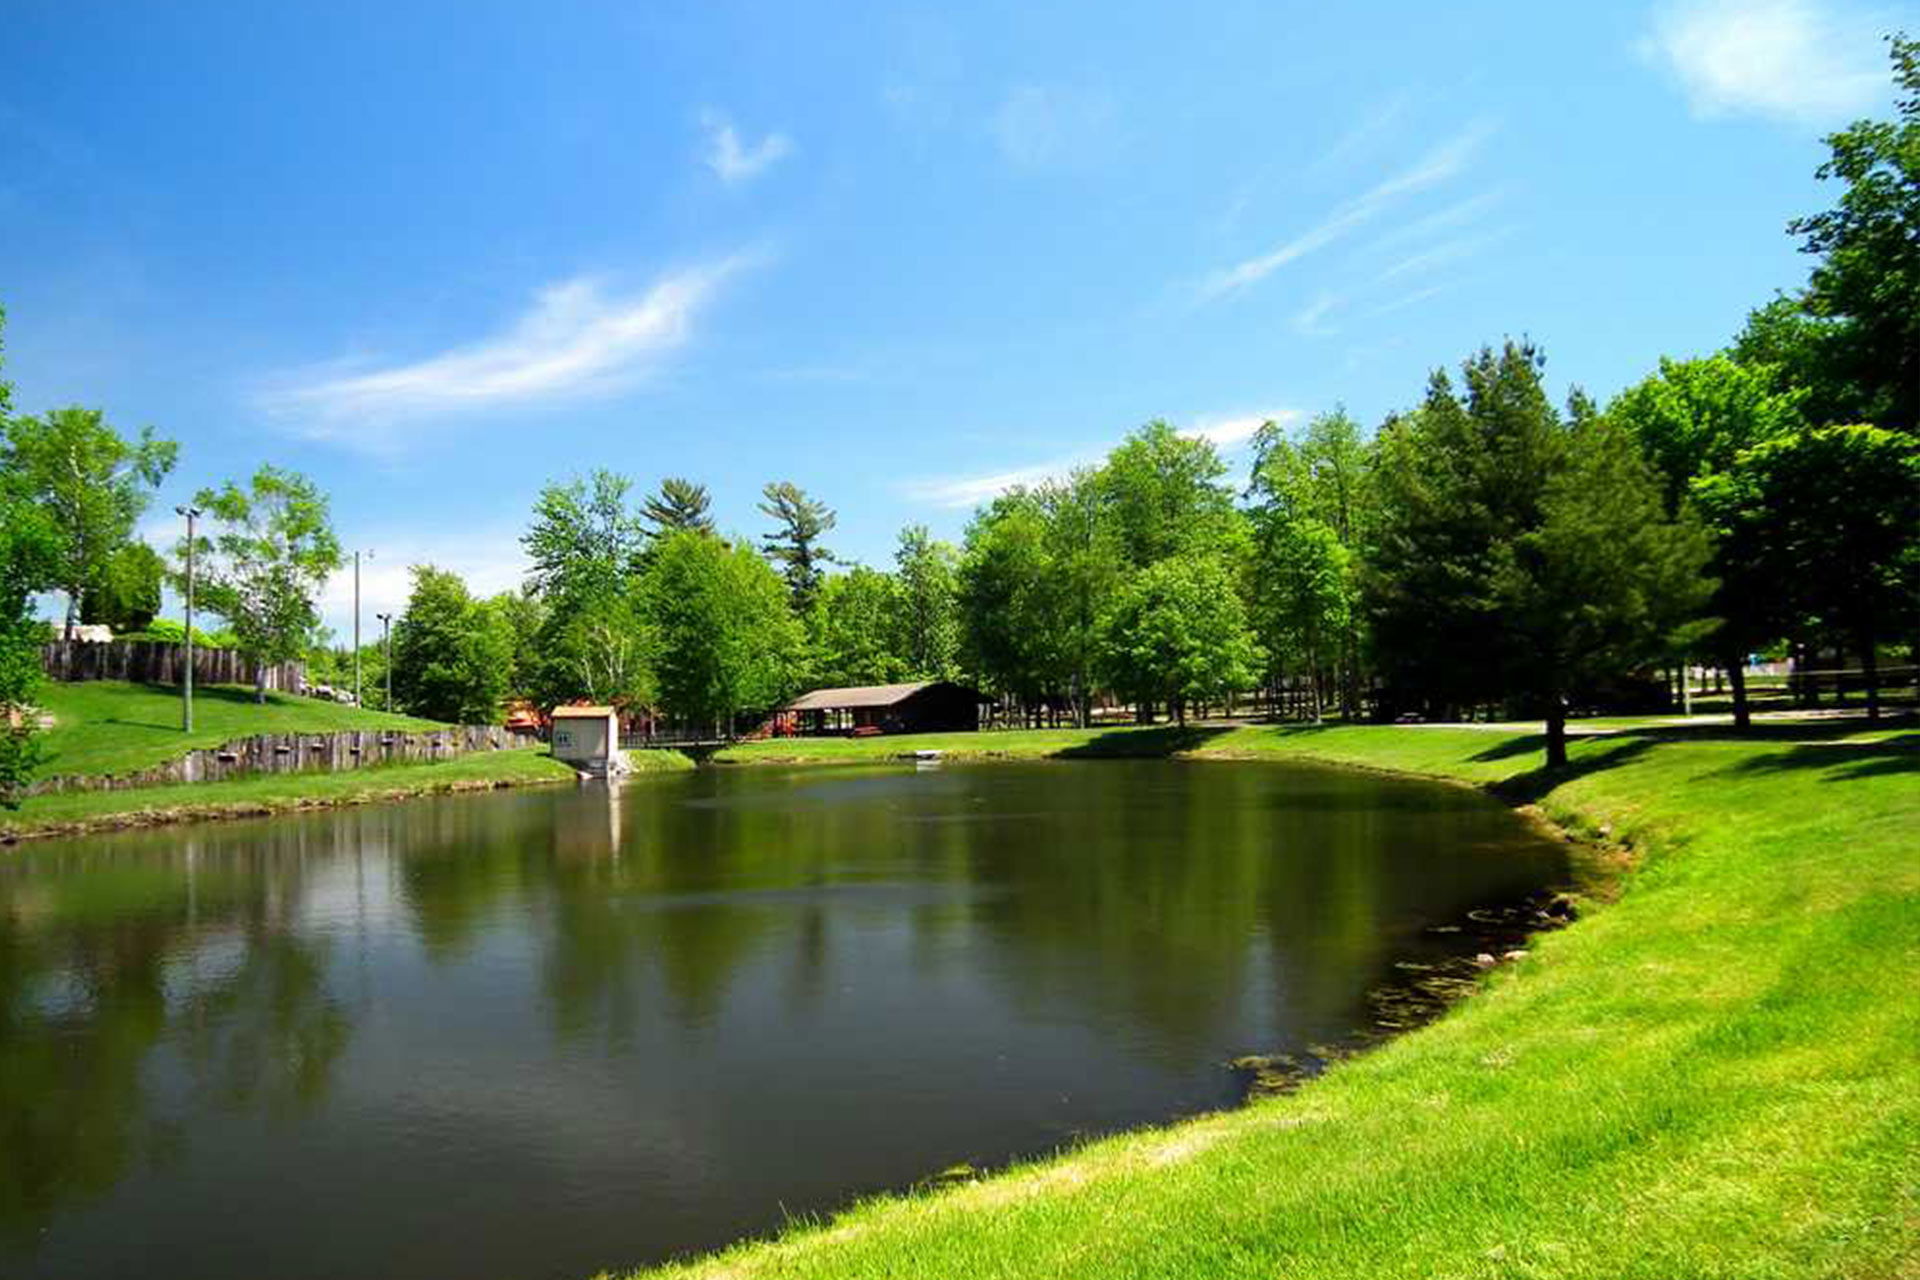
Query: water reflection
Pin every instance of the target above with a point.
(549, 1032)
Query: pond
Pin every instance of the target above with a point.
(541, 1033)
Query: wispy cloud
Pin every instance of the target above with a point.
(1225, 432)
(1808, 62)
(577, 339)
(1364, 135)
(734, 160)
(490, 560)
(1049, 126)
(1444, 254)
(1439, 165)
(1310, 321)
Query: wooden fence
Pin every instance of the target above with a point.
(157, 662)
(295, 752)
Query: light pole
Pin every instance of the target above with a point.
(186, 685)
(356, 625)
(386, 649)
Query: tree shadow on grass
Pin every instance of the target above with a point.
(1840, 761)
(202, 695)
(1144, 744)
(1533, 785)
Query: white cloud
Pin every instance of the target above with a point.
(733, 160)
(1444, 254)
(1808, 62)
(576, 340)
(1225, 432)
(1436, 167)
(1310, 321)
(1043, 126)
(489, 560)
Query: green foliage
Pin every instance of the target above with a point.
(857, 630)
(1003, 574)
(928, 573)
(1693, 417)
(1519, 555)
(584, 541)
(268, 563)
(124, 592)
(794, 544)
(173, 631)
(30, 549)
(680, 505)
(1312, 511)
(93, 485)
(1165, 495)
(727, 641)
(1177, 633)
(1868, 278)
(601, 647)
(452, 654)
(1835, 513)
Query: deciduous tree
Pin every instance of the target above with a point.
(265, 567)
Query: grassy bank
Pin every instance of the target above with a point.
(1717, 1075)
(110, 727)
(86, 811)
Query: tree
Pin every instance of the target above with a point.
(270, 560)
(583, 540)
(94, 484)
(927, 572)
(1178, 634)
(1868, 279)
(1692, 420)
(795, 544)
(1840, 507)
(1517, 555)
(1302, 605)
(1005, 638)
(124, 592)
(524, 617)
(680, 504)
(29, 555)
(728, 642)
(1165, 495)
(451, 653)
(857, 630)
(1312, 504)
(1082, 570)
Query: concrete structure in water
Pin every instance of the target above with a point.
(588, 738)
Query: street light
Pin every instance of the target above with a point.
(386, 648)
(356, 625)
(186, 686)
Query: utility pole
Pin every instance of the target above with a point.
(386, 648)
(186, 686)
(356, 625)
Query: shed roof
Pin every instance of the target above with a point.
(582, 713)
(867, 695)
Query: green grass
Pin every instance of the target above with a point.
(1717, 1075)
(110, 727)
(81, 811)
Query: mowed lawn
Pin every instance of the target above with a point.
(111, 727)
(1715, 1075)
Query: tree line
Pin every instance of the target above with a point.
(1485, 549)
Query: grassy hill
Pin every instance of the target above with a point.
(107, 726)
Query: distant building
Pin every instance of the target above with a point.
(588, 738)
(926, 706)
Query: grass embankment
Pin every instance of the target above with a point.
(1716, 1075)
(111, 727)
(80, 812)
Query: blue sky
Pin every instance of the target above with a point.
(438, 254)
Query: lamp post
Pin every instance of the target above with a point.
(356, 625)
(186, 685)
(386, 649)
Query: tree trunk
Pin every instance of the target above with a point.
(1556, 732)
(1737, 674)
(259, 681)
(1870, 668)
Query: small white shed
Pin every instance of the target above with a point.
(587, 738)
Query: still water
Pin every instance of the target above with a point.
(539, 1033)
